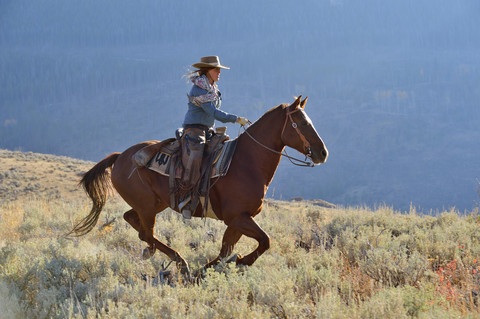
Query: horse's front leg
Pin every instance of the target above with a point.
(230, 238)
(246, 225)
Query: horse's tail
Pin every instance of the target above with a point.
(98, 186)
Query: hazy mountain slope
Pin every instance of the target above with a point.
(392, 86)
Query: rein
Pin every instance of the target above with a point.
(293, 160)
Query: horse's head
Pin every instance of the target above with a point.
(299, 133)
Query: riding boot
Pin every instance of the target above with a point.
(193, 144)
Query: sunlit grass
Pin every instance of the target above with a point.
(323, 262)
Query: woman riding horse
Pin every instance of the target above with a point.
(235, 198)
(204, 103)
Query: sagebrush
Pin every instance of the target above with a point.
(323, 263)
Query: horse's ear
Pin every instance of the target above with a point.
(302, 104)
(296, 103)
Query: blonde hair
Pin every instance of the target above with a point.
(198, 72)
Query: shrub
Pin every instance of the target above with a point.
(335, 263)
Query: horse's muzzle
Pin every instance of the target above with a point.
(319, 156)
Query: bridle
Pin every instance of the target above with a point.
(306, 144)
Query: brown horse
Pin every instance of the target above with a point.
(235, 198)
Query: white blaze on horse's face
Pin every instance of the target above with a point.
(318, 155)
(307, 119)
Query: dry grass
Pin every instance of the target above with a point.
(323, 262)
(23, 175)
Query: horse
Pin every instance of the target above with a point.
(235, 198)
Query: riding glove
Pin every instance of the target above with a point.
(242, 121)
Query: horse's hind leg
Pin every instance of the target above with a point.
(132, 218)
(146, 234)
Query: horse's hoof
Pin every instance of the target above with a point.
(239, 259)
(146, 254)
(199, 274)
(187, 276)
(185, 270)
(234, 258)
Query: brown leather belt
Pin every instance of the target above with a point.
(199, 126)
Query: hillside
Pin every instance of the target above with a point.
(24, 175)
(323, 262)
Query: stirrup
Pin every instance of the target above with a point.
(187, 213)
(183, 207)
(184, 203)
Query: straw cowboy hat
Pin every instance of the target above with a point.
(210, 62)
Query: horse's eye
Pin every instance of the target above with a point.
(304, 123)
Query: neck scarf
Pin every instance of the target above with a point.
(203, 83)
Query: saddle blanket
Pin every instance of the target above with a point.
(160, 163)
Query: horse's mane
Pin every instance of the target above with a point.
(272, 110)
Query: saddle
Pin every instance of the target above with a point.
(165, 158)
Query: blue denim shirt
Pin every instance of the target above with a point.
(206, 113)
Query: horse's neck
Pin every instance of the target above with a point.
(266, 131)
